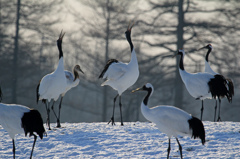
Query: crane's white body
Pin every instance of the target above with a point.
(10, 118)
(197, 84)
(54, 84)
(168, 119)
(120, 76)
(171, 120)
(228, 82)
(18, 119)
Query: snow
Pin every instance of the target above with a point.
(133, 140)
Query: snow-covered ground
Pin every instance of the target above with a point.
(133, 140)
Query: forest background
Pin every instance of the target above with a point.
(95, 33)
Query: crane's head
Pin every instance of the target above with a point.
(209, 46)
(78, 69)
(129, 29)
(180, 52)
(60, 37)
(147, 87)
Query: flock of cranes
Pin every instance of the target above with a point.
(120, 76)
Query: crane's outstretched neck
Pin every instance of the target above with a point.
(181, 66)
(209, 51)
(149, 90)
(59, 45)
(76, 75)
(128, 36)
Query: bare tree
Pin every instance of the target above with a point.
(194, 24)
(106, 27)
(21, 53)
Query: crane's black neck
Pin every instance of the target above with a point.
(76, 75)
(181, 66)
(145, 100)
(209, 51)
(59, 44)
(128, 36)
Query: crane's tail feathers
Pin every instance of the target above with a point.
(32, 122)
(220, 87)
(197, 128)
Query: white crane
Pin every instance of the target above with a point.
(72, 81)
(54, 84)
(203, 85)
(171, 120)
(120, 76)
(19, 119)
(230, 85)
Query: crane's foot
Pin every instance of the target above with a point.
(111, 120)
(48, 124)
(58, 123)
(219, 119)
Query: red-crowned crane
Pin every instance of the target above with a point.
(19, 119)
(171, 120)
(203, 85)
(230, 85)
(72, 81)
(120, 76)
(54, 84)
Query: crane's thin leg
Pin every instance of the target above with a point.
(35, 138)
(180, 147)
(202, 110)
(13, 148)
(169, 147)
(215, 112)
(53, 109)
(48, 111)
(120, 105)
(112, 118)
(58, 118)
(219, 118)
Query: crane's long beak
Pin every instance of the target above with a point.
(81, 70)
(61, 35)
(130, 26)
(201, 48)
(138, 89)
(174, 55)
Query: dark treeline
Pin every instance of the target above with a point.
(29, 30)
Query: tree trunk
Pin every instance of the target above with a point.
(15, 56)
(178, 81)
(105, 92)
